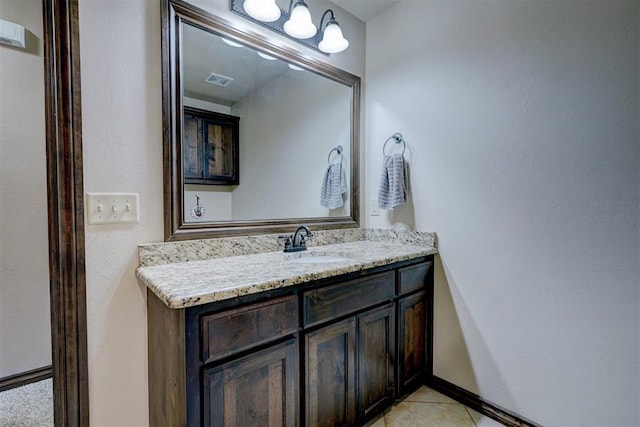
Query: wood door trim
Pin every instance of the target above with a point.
(66, 212)
(24, 378)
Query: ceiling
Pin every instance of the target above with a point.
(365, 10)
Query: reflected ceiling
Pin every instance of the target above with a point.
(202, 57)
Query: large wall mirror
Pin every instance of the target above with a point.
(253, 132)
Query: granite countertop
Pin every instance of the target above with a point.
(186, 284)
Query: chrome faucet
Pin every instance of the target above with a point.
(299, 239)
(296, 242)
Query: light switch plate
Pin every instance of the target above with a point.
(373, 206)
(112, 208)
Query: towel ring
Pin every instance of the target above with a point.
(397, 138)
(338, 150)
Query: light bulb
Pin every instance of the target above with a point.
(299, 24)
(262, 10)
(295, 67)
(332, 40)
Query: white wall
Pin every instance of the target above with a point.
(216, 200)
(122, 144)
(122, 140)
(25, 328)
(206, 105)
(283, 151)
(522, 121)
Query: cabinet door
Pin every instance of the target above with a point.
(191, 152)
(330, 375)
(210, 147)
(256, 390)
(376, 353)
(412, 339)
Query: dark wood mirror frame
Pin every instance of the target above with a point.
(66, 213)
(174, 13)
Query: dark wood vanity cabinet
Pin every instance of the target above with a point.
(415, 325)
(376, 360)
(412, 340)
(256, 390)
(330, 353)
(349, 364)
(330, 375)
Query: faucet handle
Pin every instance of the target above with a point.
(287, 240)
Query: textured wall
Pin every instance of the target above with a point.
(122, 141)
(25, 329)
(122, 138)
(522, 122)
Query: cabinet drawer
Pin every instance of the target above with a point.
(231, 331)
(334, 301)
(413, 277)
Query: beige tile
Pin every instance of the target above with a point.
(427, 395)
(483, 420)
(417, 414)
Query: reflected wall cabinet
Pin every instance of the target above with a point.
(210, 147)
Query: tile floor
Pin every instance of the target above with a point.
(428, 408)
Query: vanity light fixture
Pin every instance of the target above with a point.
(332, 39)
(262, 10)
(296, 23)
(299, 24)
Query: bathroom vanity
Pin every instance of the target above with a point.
(288, 340)
(239, 333)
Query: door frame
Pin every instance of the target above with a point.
(65, 207)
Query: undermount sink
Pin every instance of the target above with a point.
(313, 258)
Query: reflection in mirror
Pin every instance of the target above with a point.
(289, 121)
(250, 132)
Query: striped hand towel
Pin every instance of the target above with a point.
(334, 185)
(393, 182)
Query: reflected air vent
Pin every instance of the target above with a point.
(218, 80)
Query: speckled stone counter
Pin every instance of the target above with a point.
(181, 278)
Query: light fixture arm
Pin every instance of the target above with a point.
(294, 3)
(333, 18)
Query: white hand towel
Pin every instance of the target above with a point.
(393, 182)
(334, 185)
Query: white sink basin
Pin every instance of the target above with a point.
(318, 259)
